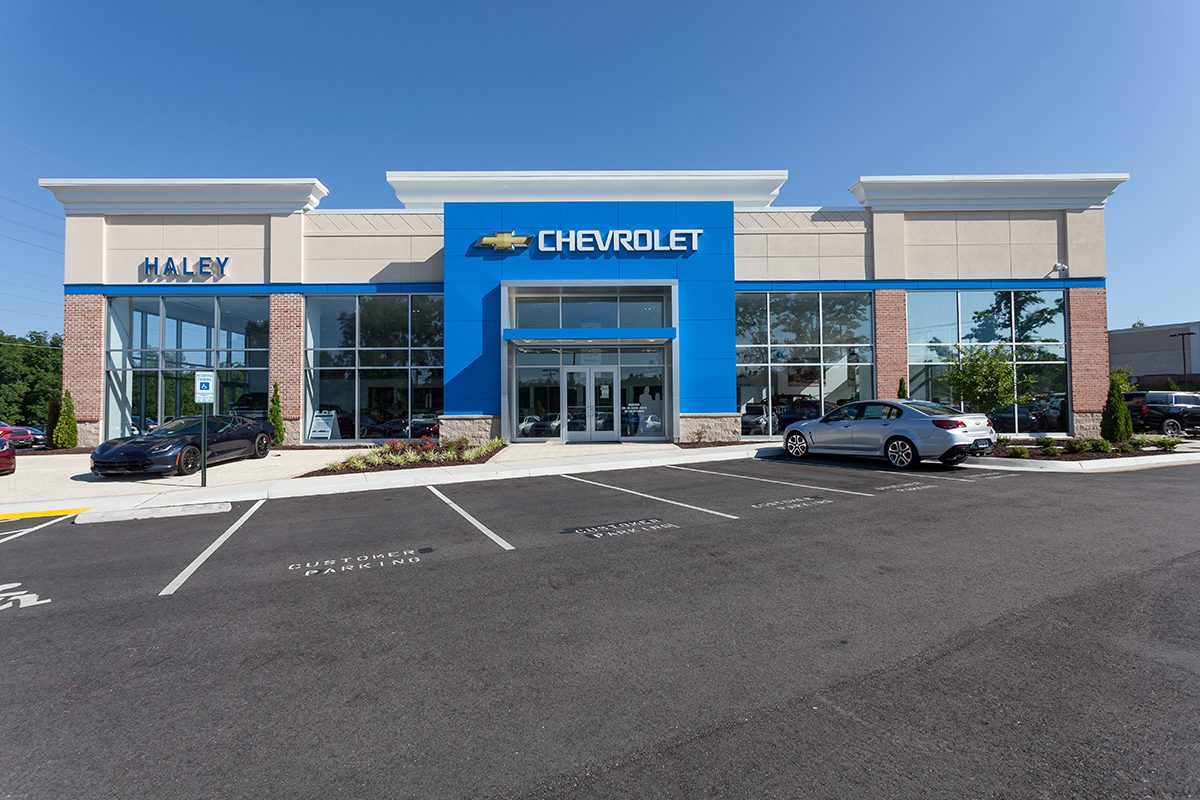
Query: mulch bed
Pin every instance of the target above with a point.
(694, 445)
(46, 451)
(324, 471)
(1035, 454)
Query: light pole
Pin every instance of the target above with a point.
(1182, 337)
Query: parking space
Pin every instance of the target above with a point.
(359, 540)
(79, 567)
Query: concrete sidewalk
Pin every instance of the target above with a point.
(519, 461)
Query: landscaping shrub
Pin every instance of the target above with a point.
(1051, 451)
(66, 433)
(1078, 446)
(1167, 443)
(1101, 445)
(1019, 452)
(902, 389)
(1139, 442)
(1004, 441)
(53, 410)
(1128, 447)
(1044, 441)
(1115, 423)
(275, 415)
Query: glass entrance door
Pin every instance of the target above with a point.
(590, 404)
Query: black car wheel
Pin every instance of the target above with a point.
(262, 445)
(796, 445)
(188, 460)
(901, 454)
(1171, 427)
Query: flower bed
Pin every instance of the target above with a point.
(1047, 449)
(395, 454)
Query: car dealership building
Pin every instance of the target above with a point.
(577, 306)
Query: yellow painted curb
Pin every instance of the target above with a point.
(56, 512)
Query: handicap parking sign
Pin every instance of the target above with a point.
(206, 387)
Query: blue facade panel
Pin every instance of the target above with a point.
(473, 276)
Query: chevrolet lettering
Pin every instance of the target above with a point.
(683, 240)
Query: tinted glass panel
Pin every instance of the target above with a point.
(932, 317)
(750, 317)
(383, 321)
(846, 317)
(538, 398)
(382, 403)
(188, 323)
(589, 312)
(245, 323)
(642, 312)
(795, 394)
(643, 409)
(847, 383)
(796, 355)
(795, 318)
(1040, 316)
(537, 312)
(331, 321)
(428, 328)
(1046, 409)
(986, 316)
(243, 392)
(753, 394)
(752, 355)
(383, 358)
(929, 383)
(133, 323)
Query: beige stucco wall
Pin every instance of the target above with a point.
(128, 240)
(373, 248)
(802, 245)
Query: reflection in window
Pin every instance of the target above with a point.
(589, 312)
(155, 344)
(643, 404)
(819, 355)
(1030, 325)
(374, 366)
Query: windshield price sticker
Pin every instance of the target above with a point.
(206, 387)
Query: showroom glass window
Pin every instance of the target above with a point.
(154, 345)
(800, 354)
(373, 366)
(1029, 327)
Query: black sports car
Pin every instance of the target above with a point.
(175, 446)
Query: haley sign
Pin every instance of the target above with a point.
(642, 240)
(203, 266)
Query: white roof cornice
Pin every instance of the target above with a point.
(431, 190)
(185, 195)
(986, 192)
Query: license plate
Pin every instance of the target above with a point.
(984, 443)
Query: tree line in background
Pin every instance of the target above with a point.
(30, 376)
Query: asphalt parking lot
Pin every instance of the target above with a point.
(737, 629)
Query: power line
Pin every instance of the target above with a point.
(28, 313)
(31, 244)
(38, 346)
(32, 227)
(26, 297)
(26, 270)
(44, 153)
(33, 288)
(17, 202)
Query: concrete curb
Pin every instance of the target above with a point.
(90, 517)
(399, 479)
(1082, 467)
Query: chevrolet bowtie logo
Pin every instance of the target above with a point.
(503, 241)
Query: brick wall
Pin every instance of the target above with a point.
(1087, 338)
(83, 361)
(287, 359)
(891, 340)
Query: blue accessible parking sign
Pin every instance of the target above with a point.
(206, 387)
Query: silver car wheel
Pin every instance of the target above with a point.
(900, 453)
(796, 445)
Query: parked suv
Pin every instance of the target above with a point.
(1169, 413)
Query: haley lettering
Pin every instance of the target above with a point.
(204, 266)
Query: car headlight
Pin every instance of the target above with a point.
(162, 447)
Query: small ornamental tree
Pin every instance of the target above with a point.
(902, 390)
(66, 434)
(1115, 423)
(983, 378)
(1123, 379)
(276, 415)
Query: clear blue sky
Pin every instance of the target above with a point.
(343, 91)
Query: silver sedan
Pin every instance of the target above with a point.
(902, 431)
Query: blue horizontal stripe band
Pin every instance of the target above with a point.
(511, 334)
(833, 286)
(251, 288)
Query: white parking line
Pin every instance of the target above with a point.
(868, 470)
(652, 497)
(23, 531)
(479, 525)
(771, 480)
(208, 551)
